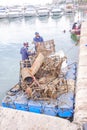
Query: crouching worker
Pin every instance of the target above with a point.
(25, 55)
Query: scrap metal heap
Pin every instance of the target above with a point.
(45, 79)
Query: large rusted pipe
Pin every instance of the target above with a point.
(36, 65)
(25, 74)
(28, 73)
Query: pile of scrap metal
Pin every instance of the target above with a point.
(45, 79)
(47, 86)
(47, 48)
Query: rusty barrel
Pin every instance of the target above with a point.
(27, 73)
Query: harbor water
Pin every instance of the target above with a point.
(13, 32)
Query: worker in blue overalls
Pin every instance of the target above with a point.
(25, 53)
(37, 39)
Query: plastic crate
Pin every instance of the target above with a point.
(70, 76)
(65, 112)
(8, 101)
(71, 73)
(21, 103)
(65, 105)
(50, 109)
(35, 106)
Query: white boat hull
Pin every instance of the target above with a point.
(57, 14)
(3, 15)
(13, 15)
(43, 14)
(3, 12)
(29, 14)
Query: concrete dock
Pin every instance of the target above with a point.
(19, 120)
(11, 119)
(80, 115)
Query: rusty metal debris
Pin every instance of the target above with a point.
(45, 80)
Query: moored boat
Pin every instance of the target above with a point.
(75, 32)
(14, 11)
(43, 11)
(75, 37)
(69, 8)
(30, 12)
(3, 12)
(56, 12)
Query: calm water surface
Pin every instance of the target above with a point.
(13, 32)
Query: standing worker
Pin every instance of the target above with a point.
(37, 39)
(25, 53)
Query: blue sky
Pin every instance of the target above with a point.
(33, 2)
